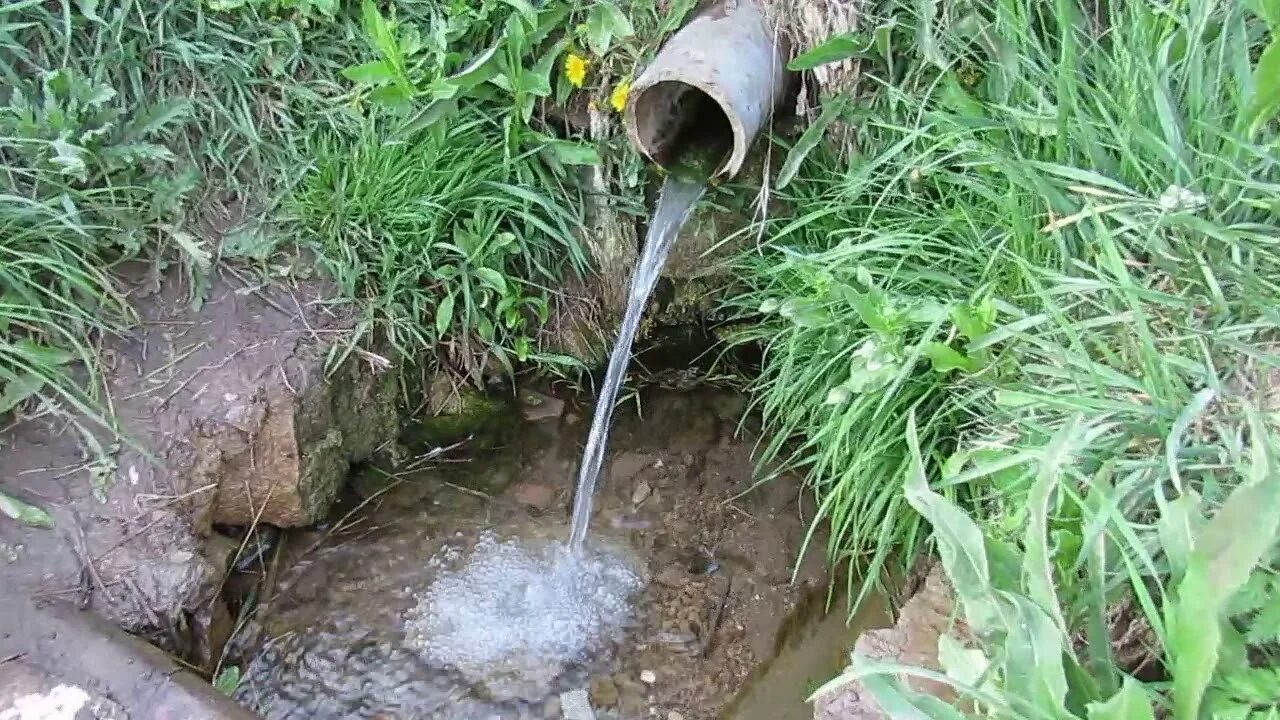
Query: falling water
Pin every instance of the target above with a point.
(675, 203)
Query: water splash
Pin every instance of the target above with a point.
(675, 204)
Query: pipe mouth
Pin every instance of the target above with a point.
(679, 125)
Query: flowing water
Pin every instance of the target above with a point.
(675, 203)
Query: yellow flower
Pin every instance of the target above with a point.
(575, 68)
(620, 94)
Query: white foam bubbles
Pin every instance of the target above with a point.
(511, 614)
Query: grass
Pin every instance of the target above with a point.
(450, 241)
(1030, 321)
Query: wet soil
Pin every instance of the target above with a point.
(327, 639)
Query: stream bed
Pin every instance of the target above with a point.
(691, 611)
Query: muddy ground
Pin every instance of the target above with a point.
(324, 634)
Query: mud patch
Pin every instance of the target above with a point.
(330, 640)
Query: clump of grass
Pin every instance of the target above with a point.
(1062, 213)
(450, 242)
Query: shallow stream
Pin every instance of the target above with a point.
(361, 618)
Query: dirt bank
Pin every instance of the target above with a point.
(231, 415)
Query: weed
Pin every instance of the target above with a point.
(1079, 227)
(444, 237)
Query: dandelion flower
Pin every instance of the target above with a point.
(620, 94)
(575, 68)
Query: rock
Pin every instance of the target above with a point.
(534, 494)
(604, 692)
(457, 413)
(648, 677)
(70, 658)
(551, 708)
(640, 493)
(627, 465)
(576, 706)
(535, 406)
(230, 416)
(675, 715)
(912, 641)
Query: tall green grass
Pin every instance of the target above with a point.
(1050, 214)
(449, 241)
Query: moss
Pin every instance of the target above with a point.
(483, 417)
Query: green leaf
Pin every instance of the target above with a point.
(1130, 703)
(1238, 536)
(228, 680)
(834, 49)
(945, 358)
(1269, 11)
(444, 315)
(568, 152)
(605, 22)
(960, 542)
(526, 11)
(492, 278)
(1265, 103)
(676, 13)
(25, 513)
(811, 138)
(378, 72)
(1180, 522)
(19, 390)
(1034, 649)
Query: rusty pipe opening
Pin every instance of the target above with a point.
(673, 118)
(710, 90)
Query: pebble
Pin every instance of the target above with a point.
(534, 494)
(575, 705)
(604, 692)
(674, 715)
(648, 677)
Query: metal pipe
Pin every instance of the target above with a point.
(711, 89)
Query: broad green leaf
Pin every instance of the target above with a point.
(526, 11)
(1238, 536)
(811, 138)
(444, 315)
(960, 542)
(1034, 648)
(492, 278)
(228, 680)
(375, 73)
(1269, 11)
(25, 513)
(945, 358)
(1180, 523)
(618, 22)
(19, 390)
(38, 354)
(1130, 703)
(838, 47)
(604, 23)
(1037, 562)
(569, 152)
(676, 13)
(1265, 103)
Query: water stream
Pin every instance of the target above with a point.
(675, 203)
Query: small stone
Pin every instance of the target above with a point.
(648, 677)
(604, 692)
(640, 493)
(534, 494)
(575, 706)
(535, 406)
(675, 715)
